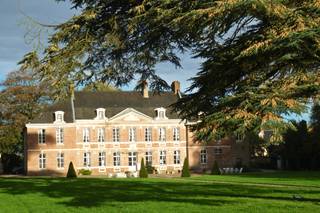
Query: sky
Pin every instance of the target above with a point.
(15, 40)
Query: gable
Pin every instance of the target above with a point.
(130, 115)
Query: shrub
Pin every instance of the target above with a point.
(185, 169)
(143, 171)
(215, 169)
(150, 168)
(85, 172)
(71, 171)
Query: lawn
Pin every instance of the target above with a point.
(257, 192)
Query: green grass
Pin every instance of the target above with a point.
(257, 192)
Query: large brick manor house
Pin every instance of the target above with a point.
(110, 132)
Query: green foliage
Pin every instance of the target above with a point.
(71, 171)
(301, 146)
(143, 173)
(260, 59)
(215, 169)
(85, 172)
(99, 87)
(150, 168)
(21, 99)
(185, 169)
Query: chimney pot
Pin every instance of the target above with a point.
(175, 86)
(145, 91)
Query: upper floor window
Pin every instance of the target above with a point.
(162, 134)
(42, 161)
(239, 137)
(176, 134)
(60, 160)
(59, 116)
(161, 113)
(132, 134)
(86, 135)
(148, 134)
(101, 113)
(41, 136)
(116, 134)
(203, 156)
(59, 135)
(100, 134)
(176, 157)
(218, 138)
(217, 151)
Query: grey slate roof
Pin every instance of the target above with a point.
(114, 102)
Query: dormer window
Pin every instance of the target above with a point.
(161, 113)
(59, 116)
(101, 113)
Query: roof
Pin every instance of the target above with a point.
(86, 104)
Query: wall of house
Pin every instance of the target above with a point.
(74, 147)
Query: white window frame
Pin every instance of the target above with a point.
(148, 134)
(41, 136)
(203, 156)
(116, 159)
(161, 113)
(132, 159)
(59, 135)
(86, 135)
(87, 159)
(59, 117)
(148, 156)
(116, 134)
(239, 137)
(42, 160)
(102, 159)
(132, 134)
(101, 135)
(176, 134)
(60, 160)
(162, 134)
(162, 157)
(101, 113)
(176, 157)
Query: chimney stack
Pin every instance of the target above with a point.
(175, 86)
(145, 91)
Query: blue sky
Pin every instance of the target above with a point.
(14, 27)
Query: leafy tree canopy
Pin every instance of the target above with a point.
(21, 99)
(260, 57)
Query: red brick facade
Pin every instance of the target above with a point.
(44, 155)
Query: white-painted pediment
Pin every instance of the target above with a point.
(130, 115)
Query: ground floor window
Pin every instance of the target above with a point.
(132, 159)
(42, 161)
(116, 158)
(149, 158)
(176, 157)
(163, 157)
(86, 159)
(203, 156)
(102, 159)
(60, 160)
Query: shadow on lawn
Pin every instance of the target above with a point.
(95, 191)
